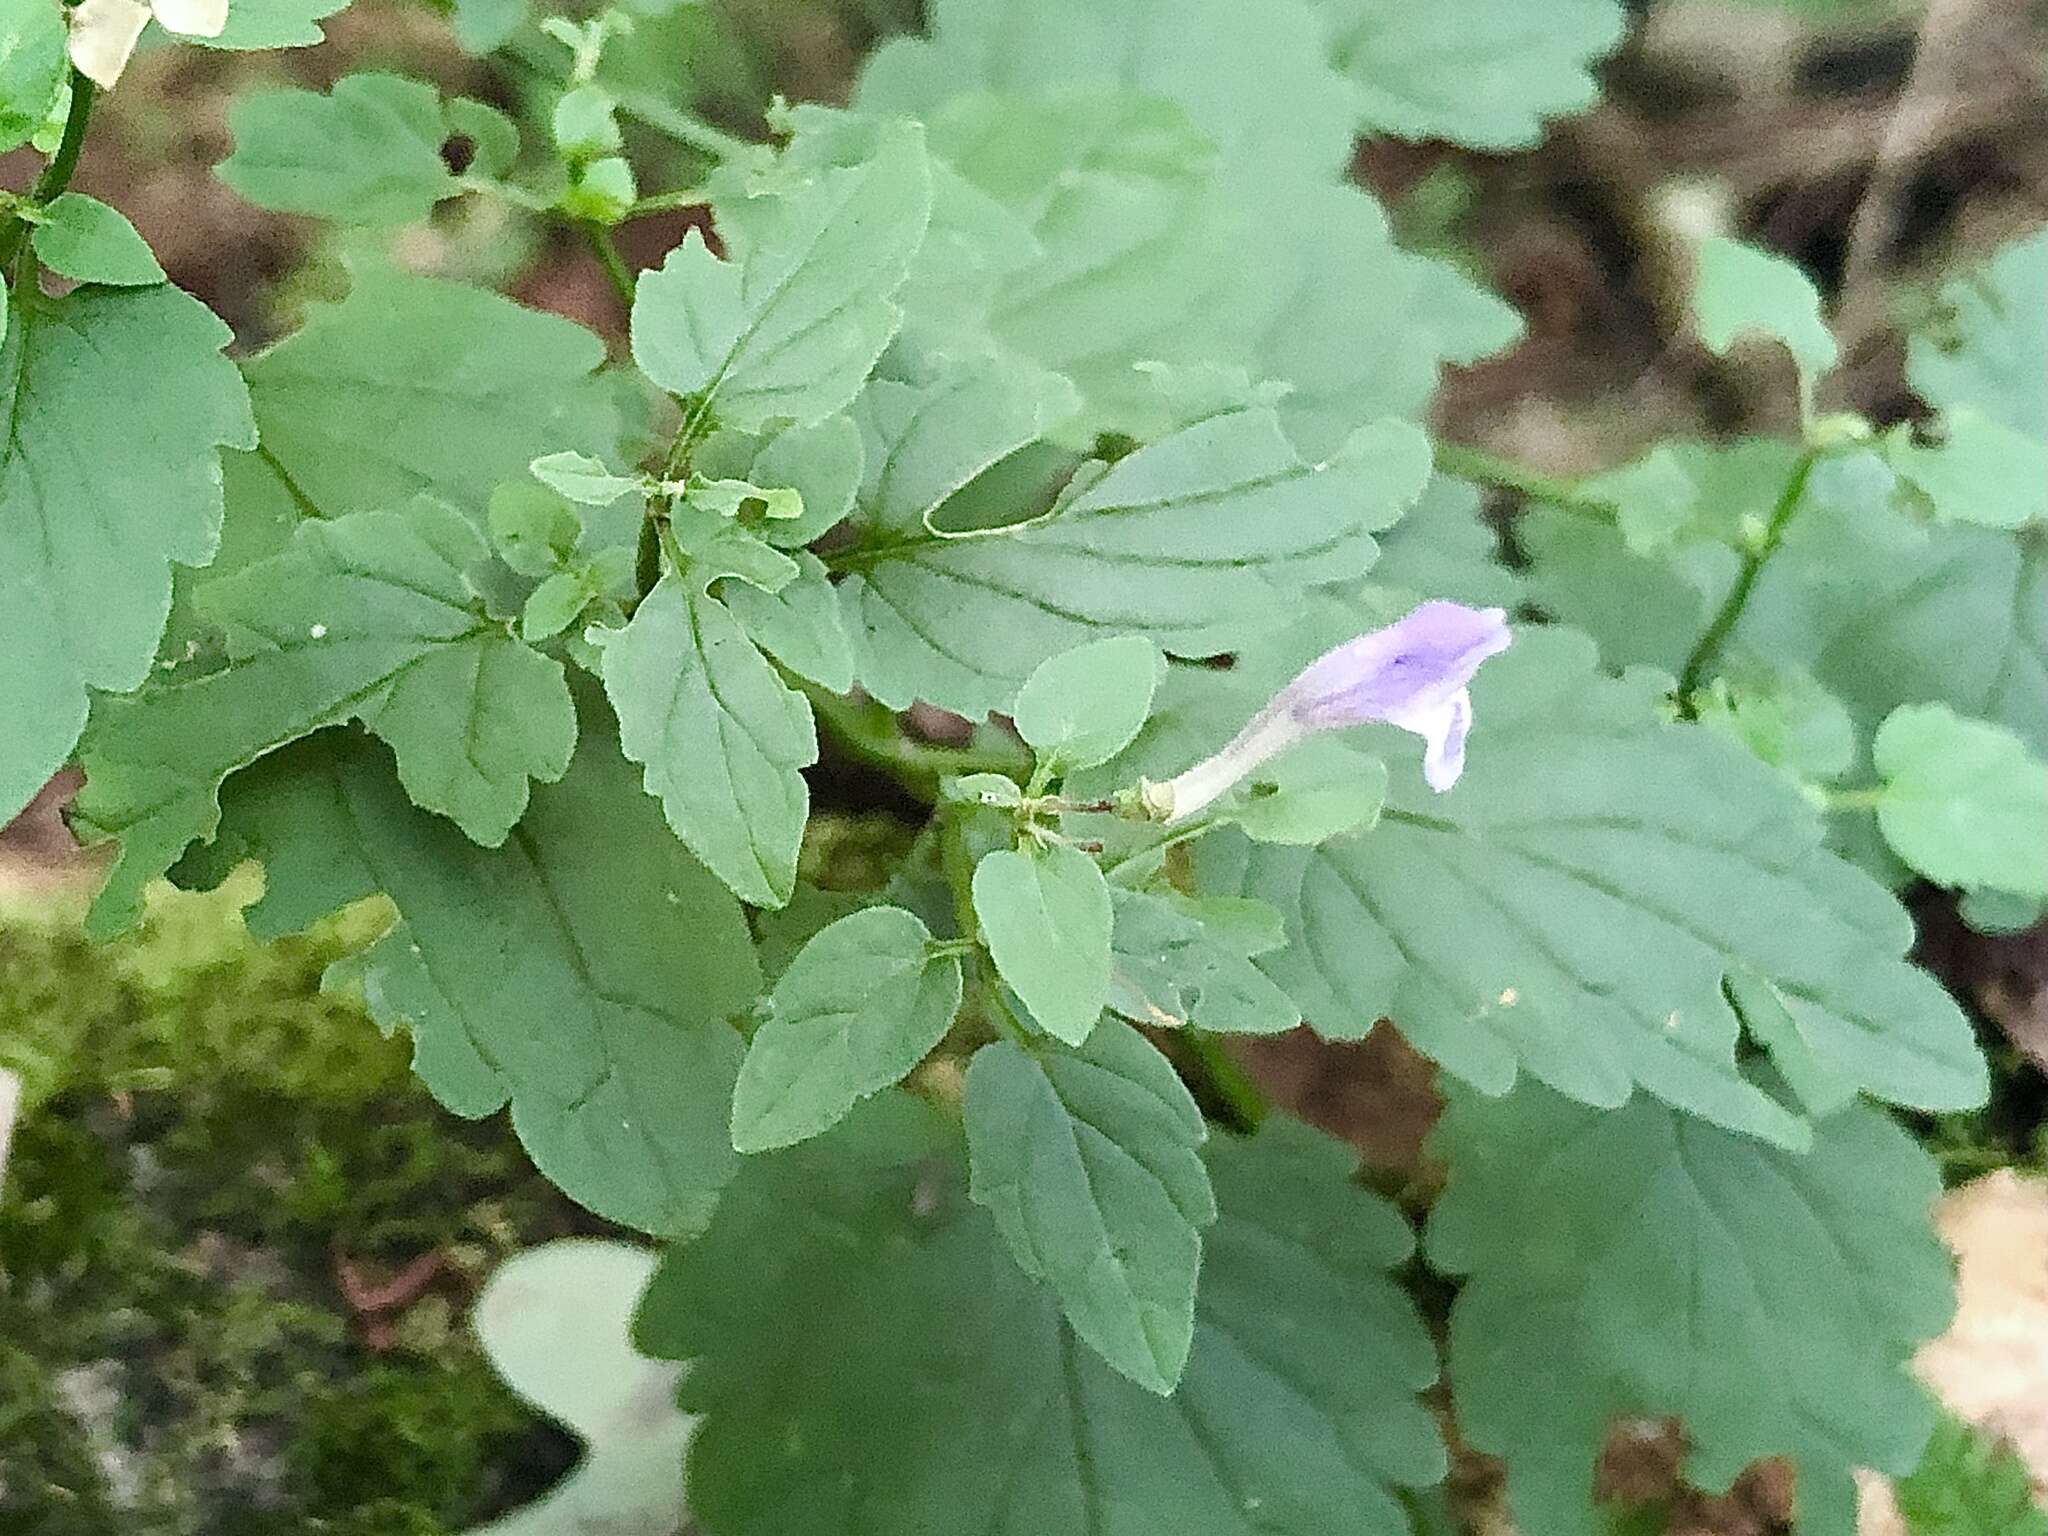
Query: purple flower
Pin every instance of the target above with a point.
(1413, 674)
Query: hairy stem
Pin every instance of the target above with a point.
(1219, 1077)
(1708, 651)
(615, 269)
(870, 732)
(1487, 469)
(57, 174)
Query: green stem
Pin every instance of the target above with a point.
(684, 127)
(615, 269)
(869, 731)
(667, 202)
(57, 174)
(1708, 651)
(1837, 800)
(1226, 1082)
(1483, 468)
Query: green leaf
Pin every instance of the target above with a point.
(799, 624)
(1879, 608)
(582, 479)
(556, 1323)
(729, 498)
(715, 546)
(1963, 802)
(1083, 706)
(918, 1382)
(1638, 1264)
(1575, 907)
(792, 326)
(1970, 1484)
(1045, 914)
(1787, 719)
(1481, 72)
(1741, 290)
(260, 25)
(83, 238)
(1173, 970)
(411, 384)
(484, 26)
(371, 618)
(1319, 790)
(583, 972)
(1977, 471)
(533, 530)
(118, 402)
(1089, 1164)
(822, 463)
(1357, 326)
(553, 606)
(1445, 548)
(722, 739)
(33, 68)
(1255, 83)
(861, 1005)
(1195, 542)
(369, 152)
(1993, 344)
(1965, 624)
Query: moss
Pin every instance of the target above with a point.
(207, 1138)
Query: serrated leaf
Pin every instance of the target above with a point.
(722, 739)
(1994, 343)
(1638, 1264)
(1358, 327)
(1880, 609)
(412, 384)
(1977, 470)
(1196, 542)
(582, 479)
(1963, 802)
(822, 463)
(370, 618)
(920, 1383)
(256, 25)
(1255, 83)
(368, 152)
(1045, 915)
(1486, 73)
(1173, 970)
(1083, 706)
(1089, 1164)
(1574, 907)
(533, 530)
(714, 546)
(32, 68)
(1786, 719)
(792, 326)
(1741, 290)
(553, 606)
(800, 624)
(863, 1003)
(582, 973)
(87, 538)
(1969, 1484)
(85, 239)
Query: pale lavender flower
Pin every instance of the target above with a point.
(1413, 674)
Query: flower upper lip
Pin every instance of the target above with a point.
(1413, 674)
